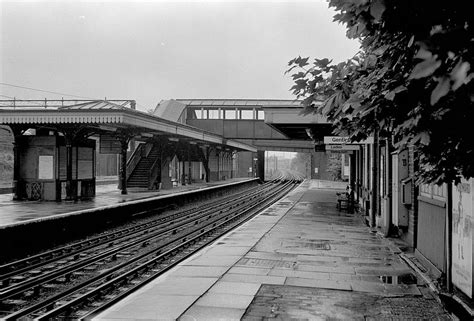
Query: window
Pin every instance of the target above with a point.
(260, 114)
(199, 113)
(230, 114)
(214, 114)
(246, 114)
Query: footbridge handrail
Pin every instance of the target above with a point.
(134, 159)
(153, 172)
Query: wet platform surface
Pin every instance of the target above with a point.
(300, 259)
(12, 212)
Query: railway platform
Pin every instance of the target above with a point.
(12, 212)
(300, 259)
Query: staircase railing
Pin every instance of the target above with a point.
(148, 148)
(141, 151)
(134, 159)
(153, 173)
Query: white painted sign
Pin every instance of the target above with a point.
(346, 171)
(45, 167)
(345, 152)
(463, 222)
(342, 147)
(345, 140)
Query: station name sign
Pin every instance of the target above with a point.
(330, 140)
(341, 147)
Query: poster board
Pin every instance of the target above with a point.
(463, 222)
(46, 167)
(110, 144)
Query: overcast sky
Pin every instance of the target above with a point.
(149, 51)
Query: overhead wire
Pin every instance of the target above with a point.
(45, 91)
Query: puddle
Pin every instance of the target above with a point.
(407, 278)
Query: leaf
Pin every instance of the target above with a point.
(440, 91)
(459, 73)
(423, 54)
(298, 75)
(390, 95)
(380, 50)
(328, 105)
(302, 61)
(322, 63)
(425, 68)
(410, 43)
(423, 137)
(351, 33)
(377, 9)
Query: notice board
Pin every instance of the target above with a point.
(46, 167)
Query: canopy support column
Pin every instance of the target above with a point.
(123, 164)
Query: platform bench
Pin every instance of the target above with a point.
(345, 202)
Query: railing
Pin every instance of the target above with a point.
(153, 173)
(148, 148)
(57, 103)
(135, 159)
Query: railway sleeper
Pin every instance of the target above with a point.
(7, 304)
(61, 280)
(17, 278)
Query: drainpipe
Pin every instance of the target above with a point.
(449, 237)
(388, 187)
(373, 199)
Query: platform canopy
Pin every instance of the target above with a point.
(104, 117)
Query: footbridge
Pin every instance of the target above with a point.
(55, 141)
(267, 124)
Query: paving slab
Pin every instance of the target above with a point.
(206, 313)
(225, 300)
(274, 302)
(235, 288)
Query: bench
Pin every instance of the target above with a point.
(345, 202)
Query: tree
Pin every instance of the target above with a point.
(301, 163)
(411, 81)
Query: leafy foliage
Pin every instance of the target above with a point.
(411, 80)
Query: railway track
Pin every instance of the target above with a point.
(82, 279)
